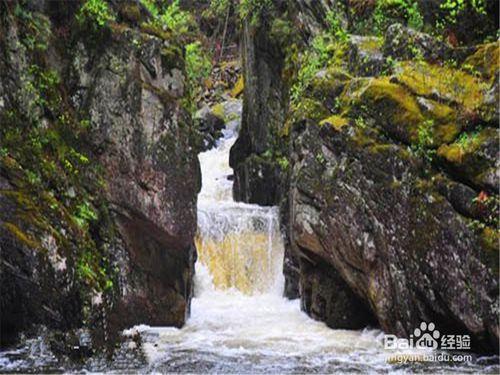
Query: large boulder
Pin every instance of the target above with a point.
(392, 201)
(364, 208)
(98, 190)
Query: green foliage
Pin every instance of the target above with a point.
(94, 270)
(425, 133)
(198, 67)
(176, 19)
(335, 27)
(310, 64)
(219, 8)
(320, 158)
(282, 32)
(254, 9)
(151, 7)
(414, 17)
(387, 11)
(197, 62)
(453, 8)
(84, 214)
(170, 18)
(360, 122)
(425, 139)
(95, 12)
(283, 163)
(465, 140)
(326, 49)
(36, 29)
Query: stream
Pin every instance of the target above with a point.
(240, 322)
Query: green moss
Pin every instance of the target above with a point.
(373, 44)
(443, 118)
(466, 155)
(309, 109)
(218, 110)
(439, 112)
(155, 29)
(391, 105)
(22, 236)
(447, 132)
(328, 86)
(485, 60)
(238, 87)
(451, 85)
(337, 122)
(466, 145)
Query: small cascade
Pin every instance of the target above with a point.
(239, 244)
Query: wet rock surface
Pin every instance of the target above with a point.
(102, 236)
(264, 102)
(389, 196)
(434, 272)
(405, 227)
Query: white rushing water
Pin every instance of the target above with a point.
(240, 323)
(239, 320)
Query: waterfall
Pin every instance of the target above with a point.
(240, 323)
(239, 244)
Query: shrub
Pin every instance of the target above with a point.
(176, 19)
(387, 11)
(254, 9)
(96, 12)
(198, 68)
(171, 18)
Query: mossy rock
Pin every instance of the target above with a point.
(391, 106)
(485, 60)
(130, 12)
(337, 122)
(443, 84)
(22, 236)
(309, 109)
(490, 238)
(327, 85)
(371, 44)
(238, 88)
(155, 30)
(218, 110)
(473, 156)
(444, 119)
(172, 57)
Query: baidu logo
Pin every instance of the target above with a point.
(426, 336)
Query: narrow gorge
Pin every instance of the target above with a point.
(253, 186)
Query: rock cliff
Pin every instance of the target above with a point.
(98, 172)
(384, 192)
